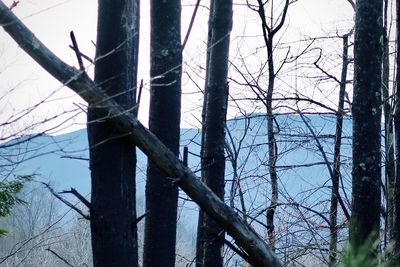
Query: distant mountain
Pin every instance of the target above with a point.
(63, 159)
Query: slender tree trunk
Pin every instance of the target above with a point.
(269, 32)
(396, 204)
(112, 157)
(366, 194)
(200, 233)
(389, 149)
(272, 147)
(211, 236)
(164, 122)
(336, 161)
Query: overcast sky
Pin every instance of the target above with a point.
(51, 21)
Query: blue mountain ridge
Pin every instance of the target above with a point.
(62, 160)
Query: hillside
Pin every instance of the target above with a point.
(303, 177)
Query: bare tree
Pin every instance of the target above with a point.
(210, 236)
(366, 110)
(269, 30)
(164, 122)
(112, 153)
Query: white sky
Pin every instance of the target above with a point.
(51, 21)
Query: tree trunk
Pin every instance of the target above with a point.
(211, 236)
(336, 161)
(366, 194)
(268, 35)
(272, 147)
(388, 116)
(112, 157)
(199, 235)
(396, 212)
(164, 122)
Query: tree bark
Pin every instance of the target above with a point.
(396, 204)
(259, 253)
(336, 160)
(210, 235)
(164, 122)
(366, 194)
(113, 158)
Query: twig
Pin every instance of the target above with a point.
(58, 256)
(139, 96)
(238, 251)
(321, 149)
(77, 52)
(196, 8)
(78, 196)
(83, 55)
(72, 157)
(66, 202)
(138, 219)
(14, 4)
(353, 5)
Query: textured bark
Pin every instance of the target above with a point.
(199, 235)
(113, 158)
(336, 161)
(366, 109)
(396, 204)
(164, 122)
(245, 237)
(210, 235)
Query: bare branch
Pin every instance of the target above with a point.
(78, 196)
(83, 55)
(14, 4)
(77, 52)
(321, 149)
(196, 8)
(66, 202)
(58, 256)
(141, 217)
(353, 5)
(282, 21)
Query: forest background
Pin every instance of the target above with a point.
(290, 64)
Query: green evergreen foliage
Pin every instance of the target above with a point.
(362, 258)
(9, 196)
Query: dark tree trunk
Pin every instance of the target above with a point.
(336, 161)
(396, 213)
(112, 157)
(269, 32)
(199, 236)
(366, 109)
(164, 122)
(211, 236)
(272, 147)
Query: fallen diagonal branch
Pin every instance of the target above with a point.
(258, 251)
